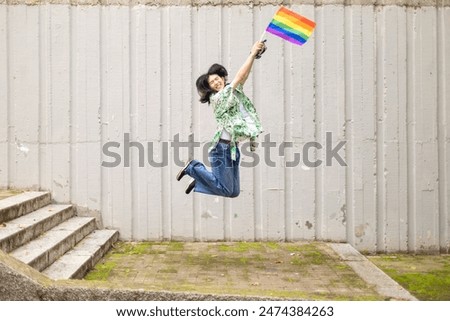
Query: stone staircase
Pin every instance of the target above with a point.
(50, 237)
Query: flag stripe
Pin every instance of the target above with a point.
(285, 34)
(305, 30)
(286, 19)
(297, 17)
(290, 29)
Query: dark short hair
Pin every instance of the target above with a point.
(203, 87)
(219, 70)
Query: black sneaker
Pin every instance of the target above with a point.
(182, 171)
(190, 186)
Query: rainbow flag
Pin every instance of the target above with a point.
(291, 26)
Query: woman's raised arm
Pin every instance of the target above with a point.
(245, 69)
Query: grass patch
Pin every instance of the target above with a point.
(175, 246)
(424, 276)
(258, 258)
(298, 261)
(204, 259)
(241, 247)
(352, 279)
(273, 245)
(101, 272)
(295, 248)
(434, 286)
(316, 258)
(306, 254)
(342, 267)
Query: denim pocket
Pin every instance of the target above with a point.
(217, 156)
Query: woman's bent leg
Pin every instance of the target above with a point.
(221, 180)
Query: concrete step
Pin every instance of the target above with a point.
(21, 230)
(75, 263)
(15, 206)
(47, 248)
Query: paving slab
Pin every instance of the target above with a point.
(293, 271)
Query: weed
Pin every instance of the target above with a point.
(101, 272)
(298, 261)
(273, 245)
(241, 247)
(175, 246)
(131, 248)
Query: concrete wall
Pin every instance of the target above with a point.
(376, 76)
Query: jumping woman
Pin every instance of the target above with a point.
(237, 121)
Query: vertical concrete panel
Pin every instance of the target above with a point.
(269, 84)
(54, 98)
(180, 114)
(445, 213)
(4, 93)
(208, 210)
(443, 54)
(300, 129)
(166, 174)
(106, 210)
(238, 37)
(367, 211)
(391, 129)
(23, 35)
(360, 132)
(59, 70)
(140, 191)
(86, 116)
(411, 120)
(149, 109)
(380, 127)
(45, 160)
(287, 155)
(330, 118)
(394, 104)
(423, 105)
(116, 116)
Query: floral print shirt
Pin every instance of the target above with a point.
(226, 105)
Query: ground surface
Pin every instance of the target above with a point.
(308, 271)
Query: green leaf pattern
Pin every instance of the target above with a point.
(226, 105)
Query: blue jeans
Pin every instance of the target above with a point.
(223, 179)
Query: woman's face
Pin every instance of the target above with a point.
(216, 82)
